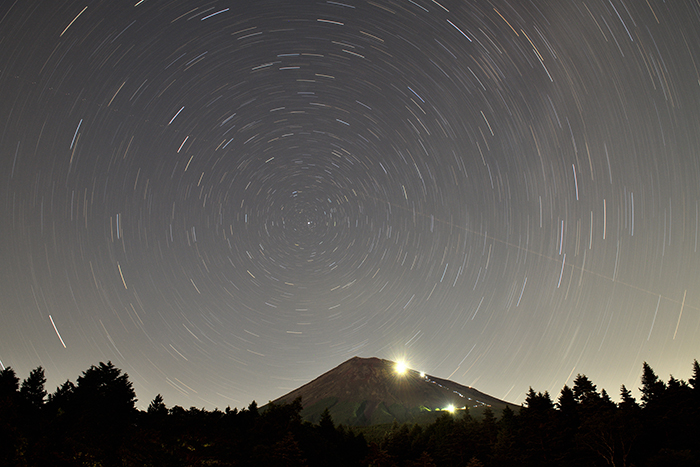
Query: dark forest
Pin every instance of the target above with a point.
(95, 422)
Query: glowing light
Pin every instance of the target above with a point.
(422, 375)
(401, 367)
(450, 408)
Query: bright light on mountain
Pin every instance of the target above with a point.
(401, 367)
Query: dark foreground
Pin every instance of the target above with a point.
(94, 422)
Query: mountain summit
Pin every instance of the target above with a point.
(369, 391)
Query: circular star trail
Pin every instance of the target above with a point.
(227, 199)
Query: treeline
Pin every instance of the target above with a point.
(584, 427)
(94, 422)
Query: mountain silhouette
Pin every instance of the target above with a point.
(370, 391)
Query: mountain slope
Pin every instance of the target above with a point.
(368, 391)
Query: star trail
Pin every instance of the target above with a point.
(228, 198)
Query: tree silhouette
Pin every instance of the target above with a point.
(537, 428)
(32, 389)
(505, 450)
(695, 379)
(10, 436)
(628, 402)
(102, 393)
(585, 391)
(105, 388)
(157, 407)
(652, 387)
(601, 431)
(568, 421)
(9, 383)
(59, 402)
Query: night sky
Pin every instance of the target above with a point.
(228, 198)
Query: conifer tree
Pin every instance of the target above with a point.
(695, 379)
(628, 402)
(157, 406)
(652, 387)
(32, 389)
(584, 390)
(9, 383)
(61, 399)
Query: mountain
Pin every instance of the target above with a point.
(371, 391)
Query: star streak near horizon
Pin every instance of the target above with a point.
(228, 199)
